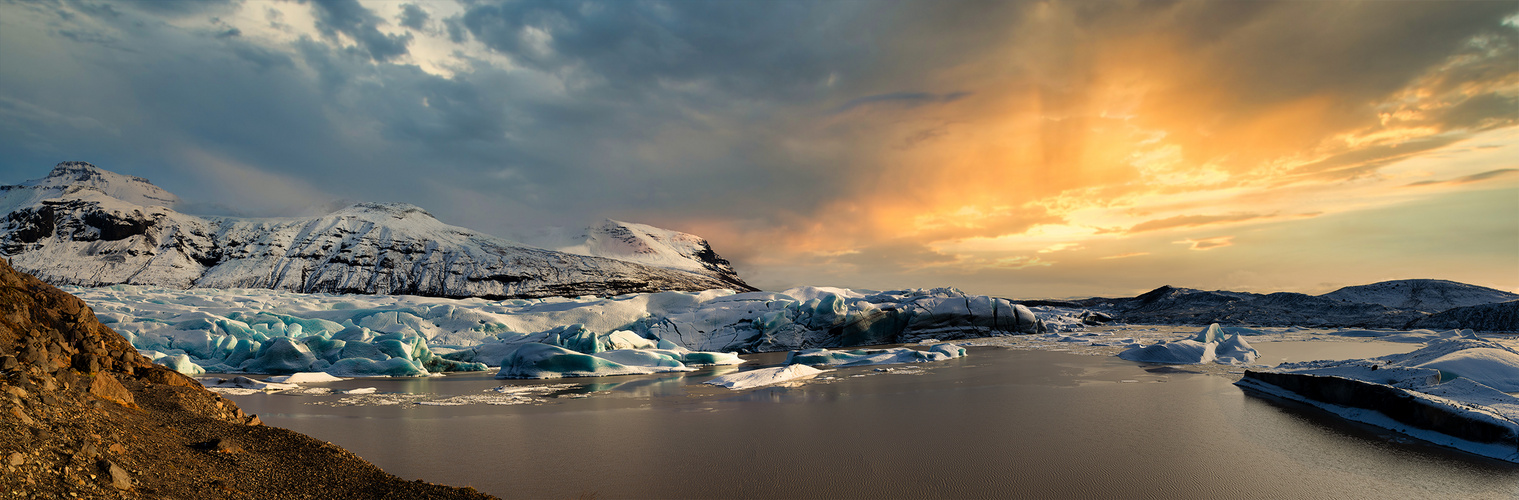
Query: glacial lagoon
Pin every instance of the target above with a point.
(1000, 423)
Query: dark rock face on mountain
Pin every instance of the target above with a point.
(1421, 295)
(1500, 317)
(117, 229)
(83, 415)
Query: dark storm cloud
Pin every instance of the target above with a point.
(179, 7)
(761, 49)
(457, 33)
(350, 18)
(413, 17)
(907, 99)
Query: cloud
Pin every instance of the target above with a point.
(360, 25)
(1478, 177)
(1207, 243)
(1124, 255)
(413, 17)
(905, 99)
(1013, 127)
(1191, 221)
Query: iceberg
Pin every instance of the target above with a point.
(1452, 392)
(765, 376)
(304, 378)
(535, 360)
(1211, 345)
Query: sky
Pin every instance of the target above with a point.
(1014, 148)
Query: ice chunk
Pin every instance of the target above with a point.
(535, 360)
(624, 339)
(246, 383)
(1211, 345)
(304, 378)
(868, 357)
(365, 367)
(635, 357)
(765, 376)
(182, 364)
(281, 355)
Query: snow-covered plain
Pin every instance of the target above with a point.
(275, 332)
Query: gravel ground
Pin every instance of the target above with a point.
(82, 415)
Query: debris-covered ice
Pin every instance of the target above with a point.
(1453, 392)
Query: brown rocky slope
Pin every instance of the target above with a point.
(82, 415)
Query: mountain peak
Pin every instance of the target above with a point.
(396, 210)
(73, 179)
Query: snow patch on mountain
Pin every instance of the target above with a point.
(1425, 295)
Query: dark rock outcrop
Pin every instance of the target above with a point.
(1500, 317)
(83, 415)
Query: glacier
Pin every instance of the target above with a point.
(277, 332)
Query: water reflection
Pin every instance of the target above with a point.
(1041, 424)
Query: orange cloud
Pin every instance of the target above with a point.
(1208, 243)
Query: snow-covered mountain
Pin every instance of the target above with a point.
(82, 225)
(653, 246)
(77, 178)
(1421, 295)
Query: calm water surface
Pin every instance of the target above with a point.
(1000, 423)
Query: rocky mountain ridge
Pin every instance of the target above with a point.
(82, 225)
(1365, 306)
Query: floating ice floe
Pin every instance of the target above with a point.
(866, 357)
(1453, 392)
(535, 360)
(765, 376)
(1211, 345)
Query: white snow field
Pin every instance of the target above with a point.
(1211, 345)
(277, 332)
(1455, 391)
